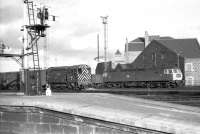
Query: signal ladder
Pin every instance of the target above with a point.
(35, 35)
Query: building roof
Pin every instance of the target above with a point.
(138, 44)
(135, 46)
(151, 38)
(139, 39)
(165, 38)
(188, 48)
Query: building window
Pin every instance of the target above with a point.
(165, 71)
(154, 58)
(189, 81)
(162, 56)
(188, 67)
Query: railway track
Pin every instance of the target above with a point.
(177, 99)
(183, 96)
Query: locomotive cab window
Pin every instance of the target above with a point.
(165, 71)
(170, 71)
(80, 70)
(175, 71)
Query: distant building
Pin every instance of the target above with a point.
(133, 49)
(118, 59)
(170, 53)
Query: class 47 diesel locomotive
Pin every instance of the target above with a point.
(145, 78)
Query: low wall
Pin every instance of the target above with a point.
(32, 120)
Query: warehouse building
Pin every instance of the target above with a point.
(170, 53)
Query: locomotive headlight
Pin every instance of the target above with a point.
(127, 76)
(178, 75)
(105, 74)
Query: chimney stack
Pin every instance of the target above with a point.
(146, 39)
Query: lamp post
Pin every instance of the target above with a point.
(105, 22)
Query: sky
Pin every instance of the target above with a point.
(72, 38)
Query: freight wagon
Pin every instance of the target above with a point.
(10, 81)
(75, 77)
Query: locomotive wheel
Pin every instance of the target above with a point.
(122, 85)
(148, 85)
(82, 87)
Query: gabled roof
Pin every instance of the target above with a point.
(139, 39)
(188, 48)
(151, 38)
(165, 38)
(138, 44)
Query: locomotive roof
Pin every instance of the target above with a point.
(81, 65)
(123, 66)
(59, 67)
(65, 67)
(101, 67)
(188, 48)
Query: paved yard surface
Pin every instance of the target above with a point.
(147, 114)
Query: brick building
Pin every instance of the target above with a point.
(170, 53)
